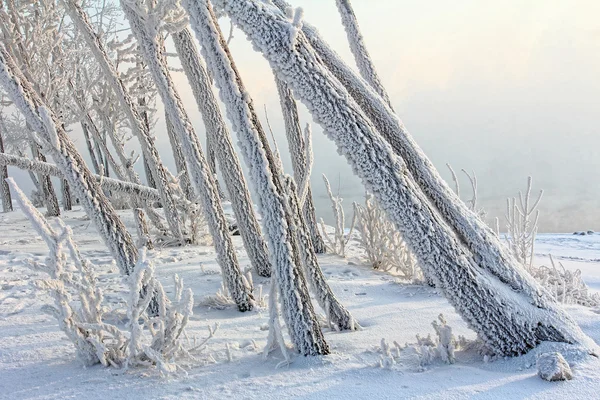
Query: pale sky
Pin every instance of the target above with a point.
(505, 88)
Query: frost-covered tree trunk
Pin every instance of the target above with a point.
(359, 49)
(51, 133)
(298, 311)
(50, 199)
(148, 171)
(159, 172)
(336, 313)
(66, 195)
(297, 148)
(4, 188)
(90, 147)
(182, 172)
(203, 180)
(218, 135)
(473, 232)
(510, 321)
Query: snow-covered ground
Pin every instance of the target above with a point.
(38, 362)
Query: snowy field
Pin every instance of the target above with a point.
(38, 362)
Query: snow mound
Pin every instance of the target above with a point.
(553, 367)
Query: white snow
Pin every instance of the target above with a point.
(37, 360)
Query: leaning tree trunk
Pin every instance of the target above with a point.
(58, 144)
(149, 149)
(298, 311)
(486, 247)
(508, 320)
(4, 188)
(337, 314)
(67, 202)
(297, 148)
(90, 147)
(182, 172)
(48, 193)
(200, 173)
(359, 49)
(217, 134)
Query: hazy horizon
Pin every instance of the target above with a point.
(506, 89)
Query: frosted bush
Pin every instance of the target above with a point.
(383, 245)
(80, 307)
(521, 222)
(428, 350)
(564, 285)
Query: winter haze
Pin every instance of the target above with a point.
(506, 89)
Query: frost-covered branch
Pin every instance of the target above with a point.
(141, 192)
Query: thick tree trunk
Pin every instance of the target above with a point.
(297, 148)
(203, 179)
(218, 133)
(298, 311)
(510, 321)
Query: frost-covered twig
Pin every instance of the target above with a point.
(521, 221)
(340, 237)
(472, 203)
